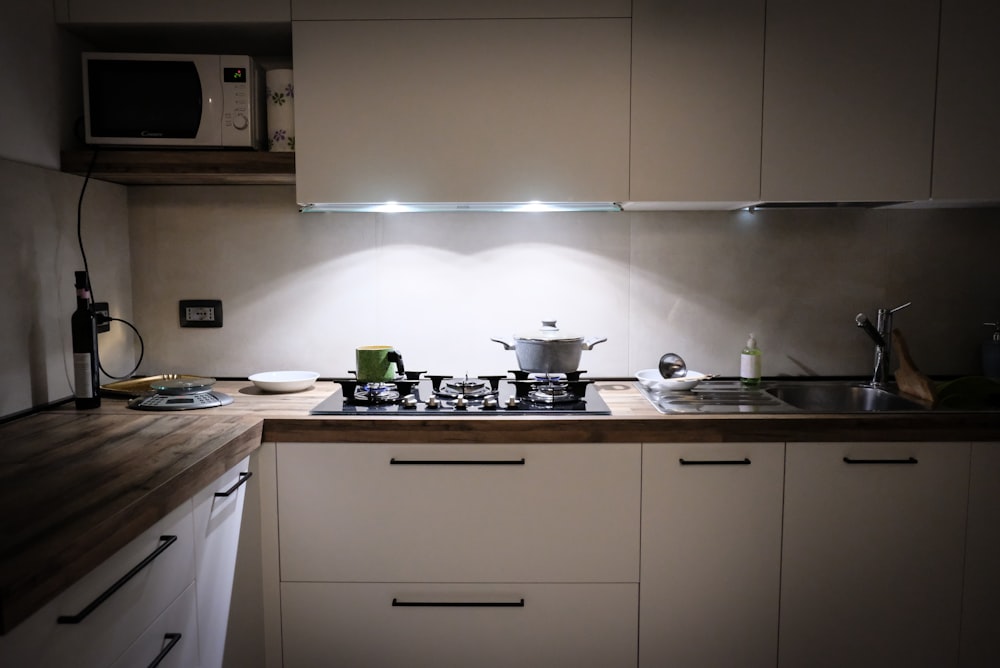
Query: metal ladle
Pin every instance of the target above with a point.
(672, 366)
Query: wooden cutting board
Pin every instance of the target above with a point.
(908, 377)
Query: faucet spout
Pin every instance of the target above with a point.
(880, 334)
(866, 324)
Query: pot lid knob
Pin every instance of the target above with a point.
(549, 326)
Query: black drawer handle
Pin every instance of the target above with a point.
(242, 480)
(173, 639)
(715, 462)
(457, 462)
(167, 541)
(396, 603)
(908, 460)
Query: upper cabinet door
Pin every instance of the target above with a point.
(696, 100)
(967, 129)
(849, 100)
(461, 111)
(311, 10)
(176, 11)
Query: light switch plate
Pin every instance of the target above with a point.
(201, 312)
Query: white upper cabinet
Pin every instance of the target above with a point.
(462, 111)
(176, 11)
(696, 100)
(967, 125)
(312, 10)
(849, 100)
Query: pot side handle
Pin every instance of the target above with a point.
(506, 343)
(591, 341)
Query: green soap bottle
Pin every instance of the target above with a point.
(750, 359)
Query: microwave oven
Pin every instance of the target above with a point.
(172, 100)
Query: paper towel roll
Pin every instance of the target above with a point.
(280, 110)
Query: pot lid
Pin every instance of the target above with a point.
(548, 332)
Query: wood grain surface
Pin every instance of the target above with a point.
(76, 487)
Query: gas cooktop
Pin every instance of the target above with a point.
(516, 393)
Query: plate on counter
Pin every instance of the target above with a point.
(283, 381)
(654, 382)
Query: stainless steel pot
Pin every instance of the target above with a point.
(549, 350)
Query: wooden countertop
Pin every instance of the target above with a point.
(76, 486)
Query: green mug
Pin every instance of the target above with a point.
(378, 364)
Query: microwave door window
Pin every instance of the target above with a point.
(150, 99)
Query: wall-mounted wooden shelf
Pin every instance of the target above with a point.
(183, 167)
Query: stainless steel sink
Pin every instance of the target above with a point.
(841, 398)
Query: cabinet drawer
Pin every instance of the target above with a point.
(109, 629)
(351, 624)
(172, 638)
(456, 513)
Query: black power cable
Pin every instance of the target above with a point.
(83, 254)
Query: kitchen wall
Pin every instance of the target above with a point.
(38, 216)
(300, 291)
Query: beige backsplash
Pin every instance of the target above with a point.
(300, 291)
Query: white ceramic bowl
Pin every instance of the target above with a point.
(284, 381)
(653, 381)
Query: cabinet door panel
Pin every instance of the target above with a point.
(697, 69)
(592, 625)
(872, 554)
(966, 124)
(461, 111)
(849, 100)
(711, 551)
(217, 521)
(569, 513)
(980, 613)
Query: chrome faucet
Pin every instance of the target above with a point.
(882, 336)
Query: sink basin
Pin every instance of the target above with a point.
(831, 398)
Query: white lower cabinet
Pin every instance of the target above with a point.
(496, 554)
(184, 587)
(171, 641)
(218, 513)
(101, 636)
(711, 554)
(872, 554)
(459, 625)
(980, 612)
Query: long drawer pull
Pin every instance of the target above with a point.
(246, 475)
(457, 462)
(166, 541)
(715, 462)
(396, 603)
(908, 460)
(173, 639)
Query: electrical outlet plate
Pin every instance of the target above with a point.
(103, 324)
(201, 312)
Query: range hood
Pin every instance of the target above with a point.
(467, 207)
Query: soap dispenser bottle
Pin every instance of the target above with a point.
(991, 352)
(750, 359)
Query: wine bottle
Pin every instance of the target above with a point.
(85, 363)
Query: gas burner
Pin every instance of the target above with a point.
(376, 393)
(470, 388)
(554, 391)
